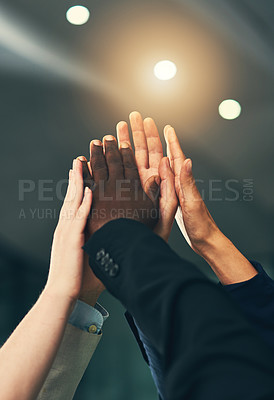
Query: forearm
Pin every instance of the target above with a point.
(190, 321)
(27, 356)
(227, 261)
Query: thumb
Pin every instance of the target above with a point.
(88, 181)
(188, 189)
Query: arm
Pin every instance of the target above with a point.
(27, 356)
(203, 339)
(74, 353)
(197, 225)
(201, 336)
(150, 162)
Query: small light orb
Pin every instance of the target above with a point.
(78, 15)
(165, 70)
(230, 109)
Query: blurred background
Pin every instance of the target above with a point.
(65, 82)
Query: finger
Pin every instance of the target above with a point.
(123, 134)
(168, 200)
(168, 194)
(88, 182)
(139, 139)
(84, 210)
(154, 145)
(89, 168)
(79, 183)
(113, 158)
(189, 190)
(70, 190)
(72, 198)
(129, 163)
(175, 153)
(98, 161)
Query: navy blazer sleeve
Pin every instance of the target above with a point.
(209, 350)
(255, 297)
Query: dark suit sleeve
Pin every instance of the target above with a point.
(256, 299)
(208, 349)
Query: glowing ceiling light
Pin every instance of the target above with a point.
(165, 70)
(78, 15)
(230, 109)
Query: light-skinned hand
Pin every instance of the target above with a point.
(67, 256)
(152, 166)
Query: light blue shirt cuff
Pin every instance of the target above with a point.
(88, 318)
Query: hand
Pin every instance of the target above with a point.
(118, 192)
(67, 256)
(152, 166)
(92, 287)
(198, 226)
(193, 217)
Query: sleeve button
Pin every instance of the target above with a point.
(105, 259)
(114, 271)
(100, 254)
(92, 329)
(108, 264)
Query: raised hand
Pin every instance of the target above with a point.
(92, 287)
(118, 192)
(193, 217)
(198, 226)
(67, 256)
(152, 166)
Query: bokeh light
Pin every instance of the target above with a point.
(78, 15)
(165, 70)
(230, 109)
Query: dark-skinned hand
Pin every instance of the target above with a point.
(117, 190)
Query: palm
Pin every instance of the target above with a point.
(146, 174)
(148, 155)
(148, 146)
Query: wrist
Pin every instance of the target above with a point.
(51, 294)
(228, 263)
(89, 298)
(211, 246)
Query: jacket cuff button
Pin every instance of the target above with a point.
(114, 271)
(101, 253)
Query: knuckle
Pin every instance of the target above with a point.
(98, 164)
(114, 159)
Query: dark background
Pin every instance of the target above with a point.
(63, 85)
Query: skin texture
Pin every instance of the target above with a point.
(91, 287)
(28, 354)
(198, 226)
(174, 176)
(118, 191)
(151, 164)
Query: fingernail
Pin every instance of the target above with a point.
(189, 166)
(167, 162)
(109, 137)
(121, 124)
(124, 145)
(81, 158)
(168, 130)
(87, 190)
(133, 114)
(96, 142)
